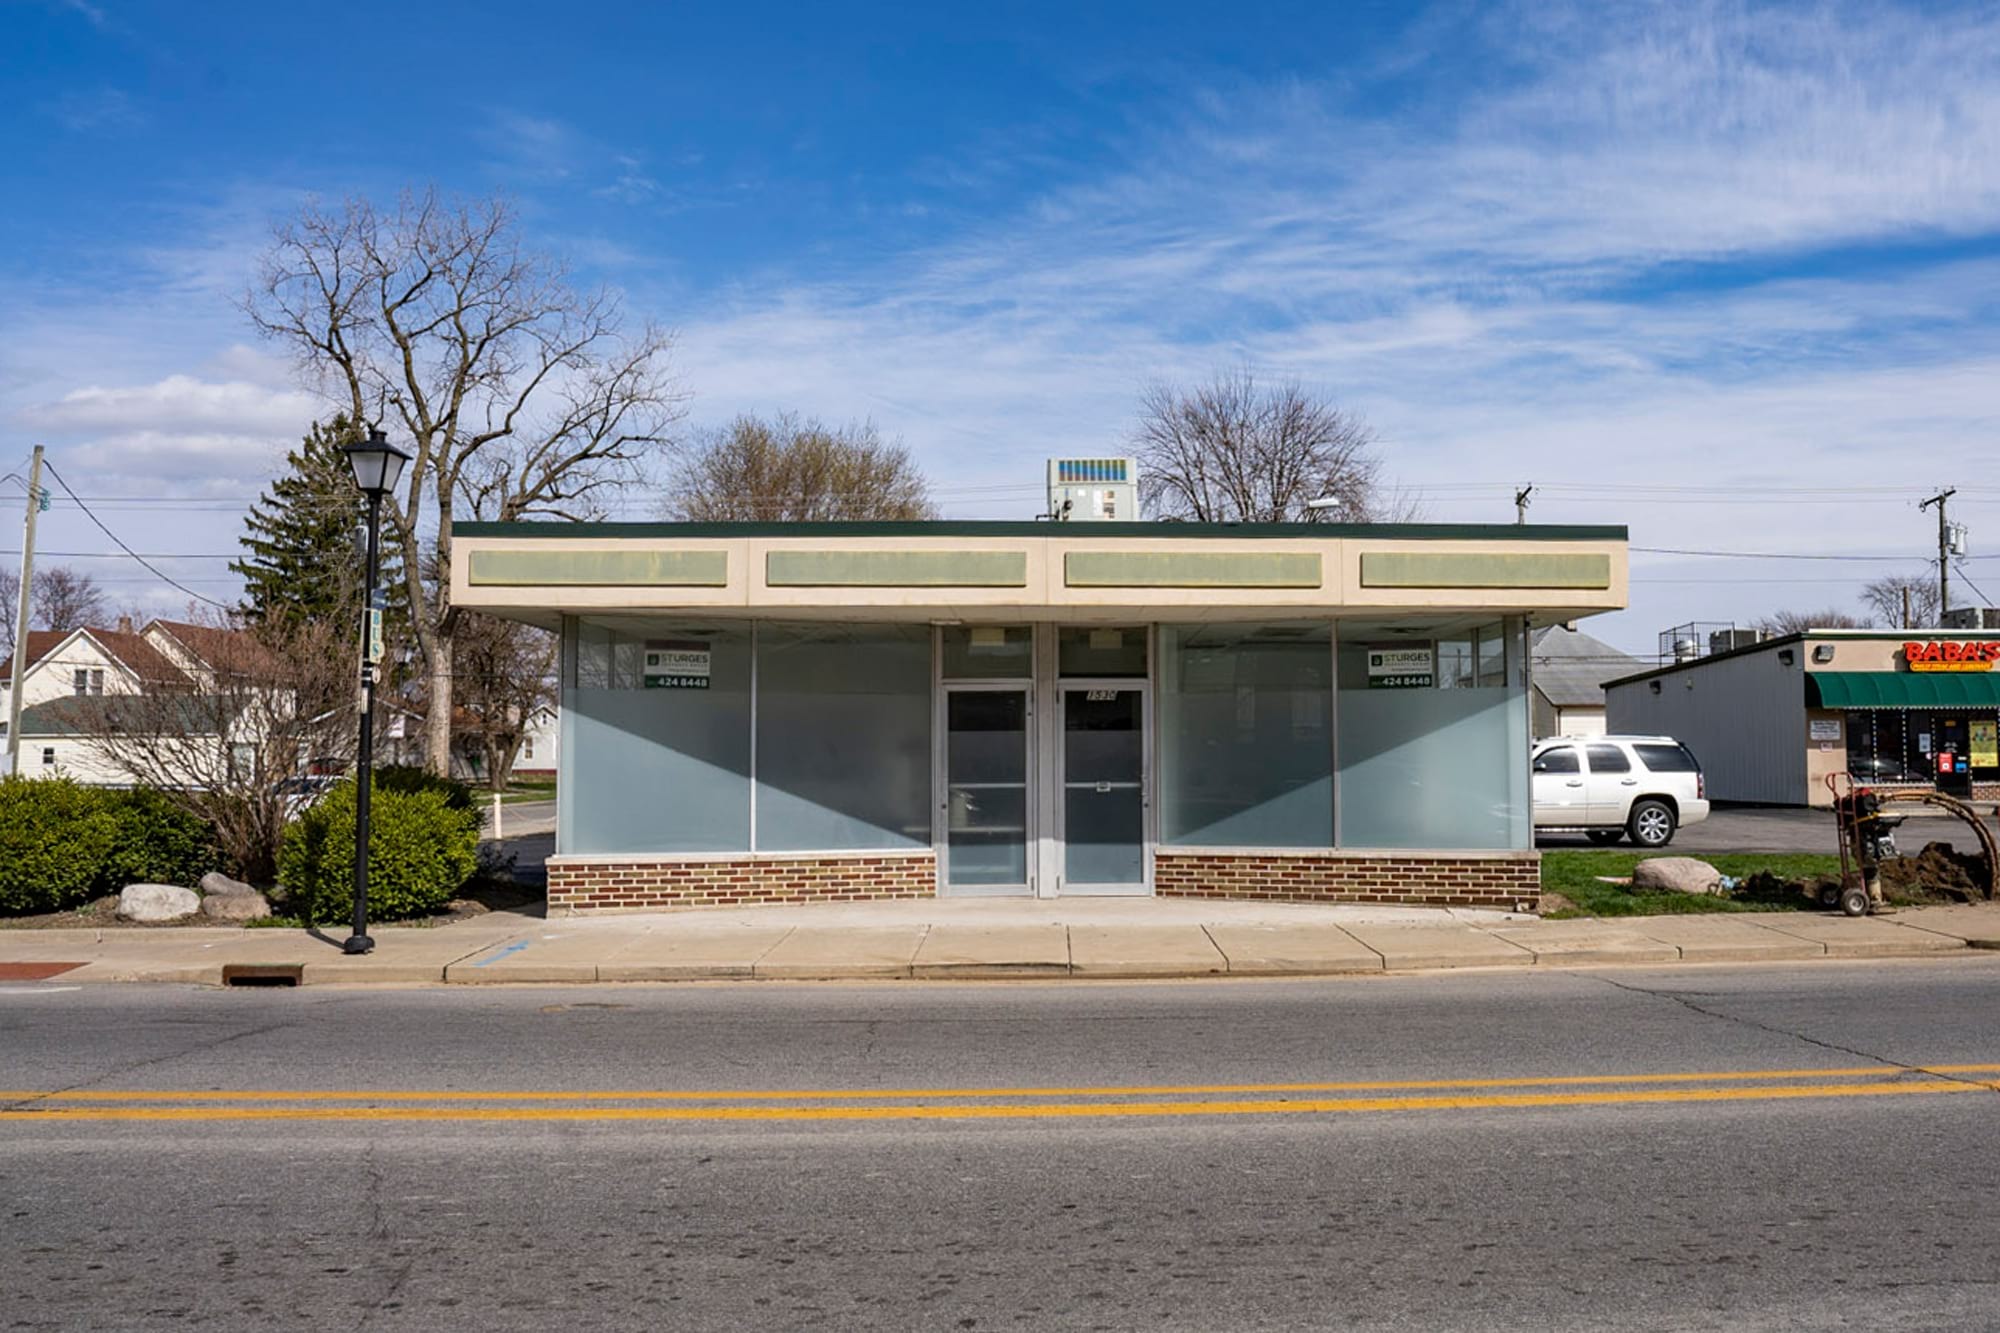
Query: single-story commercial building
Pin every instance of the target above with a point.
(1770, 720)
(1315, 712)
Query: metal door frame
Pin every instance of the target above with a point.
(941, 787)
(1144, 686)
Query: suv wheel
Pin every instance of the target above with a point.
(1604, 837)
(1651, 823)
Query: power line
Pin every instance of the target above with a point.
(120, 543)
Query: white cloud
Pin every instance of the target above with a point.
(175, 405)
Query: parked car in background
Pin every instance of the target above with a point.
(1611, 787)
(301, 792)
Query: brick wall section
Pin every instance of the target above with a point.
(596, 886)
(1411, 879)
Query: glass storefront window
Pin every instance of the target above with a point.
(987, 652)
(843, 737)
(1108, 650)
(659, 713)
(1903, 744)
(1245, 752)
(1443, 767)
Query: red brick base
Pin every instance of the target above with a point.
(1501, 880)
(598, 885)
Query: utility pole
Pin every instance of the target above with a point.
(1521, 502)
(1944, 549)
(1906, 606)
(35, 505)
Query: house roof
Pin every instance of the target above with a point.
(1571, 667)
(129, 650)
(215, 648)
(41, 642)
(85, 714)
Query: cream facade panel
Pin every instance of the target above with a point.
(1004, 576)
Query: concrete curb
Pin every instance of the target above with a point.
(751, 947)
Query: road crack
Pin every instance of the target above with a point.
(26, 1103)
(1685, 1002)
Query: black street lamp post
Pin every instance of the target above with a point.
(378, 465)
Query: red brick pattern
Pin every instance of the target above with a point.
(591, 886)
(1498, 881)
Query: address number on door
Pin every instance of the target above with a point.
(1100, 696)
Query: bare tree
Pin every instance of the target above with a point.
(800, 471)
(505, 675)
(1892, 595)
(1233, 450)
(1798, 622)
(66, 599)
(63, 599)
(267, 702)
(10, 605)
(518, 393)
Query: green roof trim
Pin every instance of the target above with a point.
(1903, 689)
(1498, 532)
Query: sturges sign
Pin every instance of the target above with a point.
(1951, 655)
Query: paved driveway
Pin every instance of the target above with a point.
(1787, 829)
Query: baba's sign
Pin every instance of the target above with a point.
(1951, 654)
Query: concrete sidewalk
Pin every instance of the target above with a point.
(982, 939)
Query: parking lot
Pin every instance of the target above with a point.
(1760, 828)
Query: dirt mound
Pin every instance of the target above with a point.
(1937, 874)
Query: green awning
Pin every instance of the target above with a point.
(1903, 689)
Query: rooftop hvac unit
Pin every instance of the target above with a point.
(1970, 617)
(1093, 490)
(1723, 640)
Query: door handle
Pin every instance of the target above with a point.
(1628, 782)
(1574, 782)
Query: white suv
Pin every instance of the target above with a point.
(1642, 787)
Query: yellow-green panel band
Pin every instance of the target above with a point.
(605, 569)
(1192, 569)
(1459, 569)
(896, 569)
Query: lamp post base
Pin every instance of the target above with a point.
(357, 944)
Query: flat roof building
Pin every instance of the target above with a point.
(1771, 720)
(791, 712)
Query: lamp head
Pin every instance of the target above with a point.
(377, 464)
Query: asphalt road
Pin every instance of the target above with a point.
(1010, 1156)
(1782, 829)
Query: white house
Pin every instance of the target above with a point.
(68, 670)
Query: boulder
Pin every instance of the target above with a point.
(157, 902)
(247, 906)
(217, 882)
(1677, 874)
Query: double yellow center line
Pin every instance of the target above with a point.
(1003, 1103)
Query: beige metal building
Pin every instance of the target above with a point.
(1770, 721)
(783, 712)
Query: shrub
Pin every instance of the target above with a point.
(157, 842)
(409, 777)
(421, 851)
(56, 840)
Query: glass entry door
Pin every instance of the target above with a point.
(986, 798)
(1103, 810)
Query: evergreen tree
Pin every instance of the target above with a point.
(303, 537)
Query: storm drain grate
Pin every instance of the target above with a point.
(262, 974)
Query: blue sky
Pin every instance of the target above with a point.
(1729, 274)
